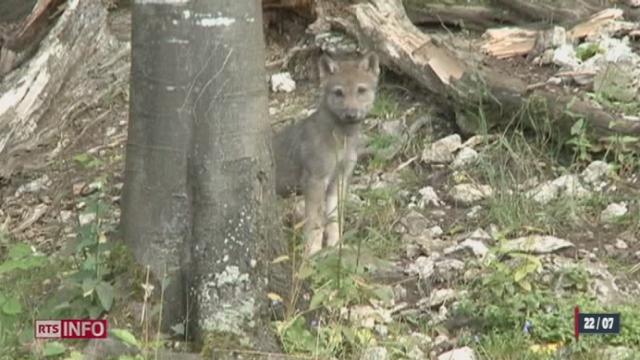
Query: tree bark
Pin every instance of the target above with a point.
(198, 195)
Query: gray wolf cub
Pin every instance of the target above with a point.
(316, 156)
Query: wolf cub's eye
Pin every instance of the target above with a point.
(362, 90)
(338, 92)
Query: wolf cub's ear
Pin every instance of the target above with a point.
(327, 66)
(371, 63)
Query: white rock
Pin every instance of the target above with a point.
(465, 157)
(571, 186)
(86, 218)
(613, 212)
(464, 353)
(441, 151)
(470, 193)
(449, 265)
(65, 216)
(620, 244)
(34, 186)
(565, 56)
(568, 185)
(423, 267)
(375, 353)
(479, 234)
(438, 297)
(477, 247)
(282, 82)
(595, 172)
(435, 231)
(474, 212)
(428, 196)
(536, 244)
(414, 223)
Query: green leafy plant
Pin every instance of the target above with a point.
(580, 141)
(88, 286)
(20, 259)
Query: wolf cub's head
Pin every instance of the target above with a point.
(349, 86)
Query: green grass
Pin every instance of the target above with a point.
(387, 104)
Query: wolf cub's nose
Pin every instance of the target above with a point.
(351, 115)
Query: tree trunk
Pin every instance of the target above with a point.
(198, 195)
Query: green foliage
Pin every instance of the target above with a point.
(587, 50)
(580, 142)
(87, 289)
(512, 292)
(87, 161)
(384, 147)
(52, 287)
(386, 105)
(339, 280)
(372, 221)
(14, 270)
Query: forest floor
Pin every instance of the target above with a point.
(451, 241)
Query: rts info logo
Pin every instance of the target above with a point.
(71, 329)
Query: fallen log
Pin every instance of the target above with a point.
(472, 17)
(48, 92)
(552, 11)
(19, 41)
(482, 96)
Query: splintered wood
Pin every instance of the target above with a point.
(595, 23)
(508, 42)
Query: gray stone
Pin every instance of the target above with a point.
(282, 82)
(438, 297)
(428, 196)
(613, 212)
(476, 247)
(34, 186)
(597, 171)
(568, 185)
(620, 244)
(86, 218)
(441, 151)
(423, 267)
(375, 353)
(414, 223)
(474, 212)
(464, 353)
(465, 157)
(449, 265)
(536, 244)
(467, 194)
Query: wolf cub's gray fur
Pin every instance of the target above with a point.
(318, 154)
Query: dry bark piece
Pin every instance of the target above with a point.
(508, 42)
